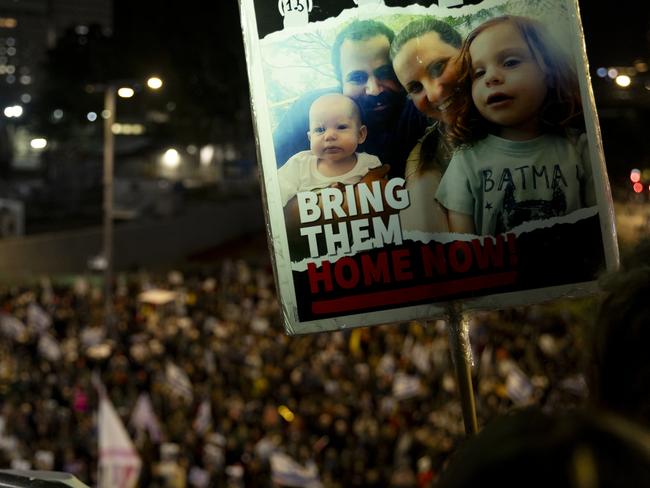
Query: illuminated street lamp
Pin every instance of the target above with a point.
(110, 90)
(154, 83)
(623, 81)
(13, 111)
(125, 92)
(38, 143)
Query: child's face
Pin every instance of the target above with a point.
(508, 85)
(334, 132)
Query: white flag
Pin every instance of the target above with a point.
(37, 318)
(49, 348)
(518, 386)
(198, 477)
(203, 420)
(11, 327)
(143, 418)
(119, 463)
(285, 471)
(178, 382)
(406, 386)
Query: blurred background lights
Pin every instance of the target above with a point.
(25, 98)
(612, 73)
(106, 114)
(154, 83)
(8, 22)
(285, 413)
(206, 154)
(638, 187)
(171, 158)
(91, 116)
(128, 129)
(623, 81)
(602, 72)
(57, 114)
(125, 92)
(635, 175)
(13, 111)
(641, 66)
(38, 143)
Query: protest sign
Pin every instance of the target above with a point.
(465, 166)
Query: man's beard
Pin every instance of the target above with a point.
(381, 110)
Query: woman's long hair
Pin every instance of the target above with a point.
(562, 107)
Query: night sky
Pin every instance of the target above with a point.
(199, 48)
(616, 34)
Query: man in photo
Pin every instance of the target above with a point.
(360, 57)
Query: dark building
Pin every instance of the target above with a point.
(28, 28)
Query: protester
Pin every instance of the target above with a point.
(572, 450)
(619, 369)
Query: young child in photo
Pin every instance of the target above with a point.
(335, 131)
(520, 153)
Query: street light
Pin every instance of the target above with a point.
(623, 81)
(154, 83)
(125, 92)
(110, 90)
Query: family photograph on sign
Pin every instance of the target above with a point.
(415, 155)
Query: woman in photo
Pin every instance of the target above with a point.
(424, 56)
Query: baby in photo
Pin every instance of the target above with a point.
(335, 131)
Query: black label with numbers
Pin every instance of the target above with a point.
(269, 13)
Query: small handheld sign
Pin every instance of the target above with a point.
(420, 160)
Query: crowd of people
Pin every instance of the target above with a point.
(368, 406)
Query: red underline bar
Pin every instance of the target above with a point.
(418, 293)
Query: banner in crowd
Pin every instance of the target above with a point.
(119, 463)
(416, 153)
